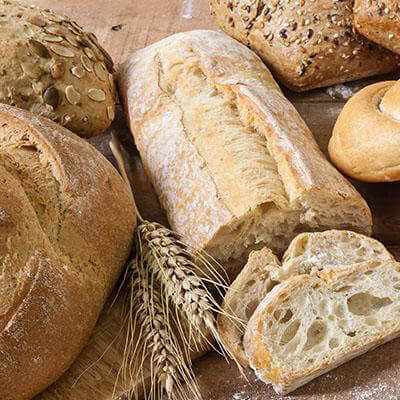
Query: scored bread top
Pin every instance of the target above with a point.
(231, 160)
(307, 44)
(309, 325)
(60, 252)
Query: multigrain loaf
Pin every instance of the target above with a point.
(51, 66)
(309, 325)
(306, 43)
(379, 21)
(308, 253)
(63, 244)
(365, 141)
(234, 165)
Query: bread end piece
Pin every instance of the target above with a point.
(244, 295)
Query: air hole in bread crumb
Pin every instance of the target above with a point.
(343, 289)
(339, 310)
(369, 272)
(351, 334)
(287, 317)
(290, 332)
(396, 286)
(371, 321)
(315, 334)
(251, 307)
(366, 304)
(333, 343)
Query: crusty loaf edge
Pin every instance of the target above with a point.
(55, 318)
(229, 64)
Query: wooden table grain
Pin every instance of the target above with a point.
(124, 26)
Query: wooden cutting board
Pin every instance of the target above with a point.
(123, 26)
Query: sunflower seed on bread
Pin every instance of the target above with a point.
(310, 324)
(45, 69)
(308, 253)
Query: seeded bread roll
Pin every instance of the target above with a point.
(50, 66)
(60, 252)
(379, 21)
(233, 170)
(306, 43)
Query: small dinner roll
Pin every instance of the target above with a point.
(365, 143)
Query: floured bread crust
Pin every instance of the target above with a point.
(60, 252)
(234, 165)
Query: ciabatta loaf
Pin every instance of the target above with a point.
(234, 165)
(308, 253)
(63, 245)
(308, 325)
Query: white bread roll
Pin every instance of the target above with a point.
(365, 142)
(234, 165)
(63, 244)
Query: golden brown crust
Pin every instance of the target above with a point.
(366, 138)
(61, 252)
(222, 177)
(306, 44)
(379, 21)
(50, 66)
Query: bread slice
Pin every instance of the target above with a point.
(307, 254)
(243, 297)
(311, 324)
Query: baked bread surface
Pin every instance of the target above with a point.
(233, 164)
(308, 253)
(365, 141)
(379, 21)
(50, 66)
(309, 325)
(60, 252)
(306, 44)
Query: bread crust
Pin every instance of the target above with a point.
(52, 67)
(307, 45)
(62, 258)
(379, 21)
(198, 183)
(366, 137)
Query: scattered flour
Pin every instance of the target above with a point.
(187, 9)
(240, 396)
(341, 91)
(371, 393)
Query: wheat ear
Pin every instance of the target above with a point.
(171, 308)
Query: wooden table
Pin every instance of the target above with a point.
(123, 26)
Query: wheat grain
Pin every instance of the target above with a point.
(175, 265)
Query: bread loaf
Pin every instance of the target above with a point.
(50, 66)
(379, 21)
(62, 247)
(307, 44)
(309, 325)
(308, 254)
(234, 165)
(365, 141)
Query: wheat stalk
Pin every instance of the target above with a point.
(170, 310)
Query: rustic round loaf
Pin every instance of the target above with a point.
(50, 66)
(62, 247)
(365, 143)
